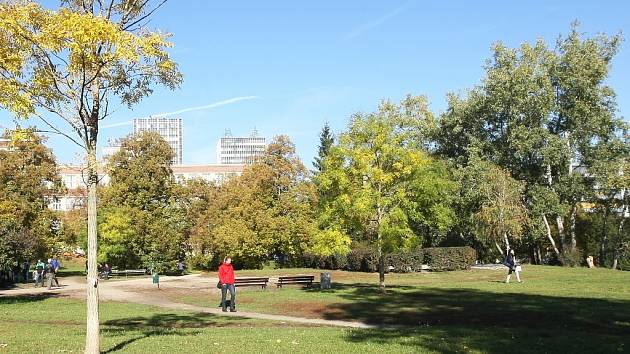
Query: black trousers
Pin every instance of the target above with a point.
(224, 290)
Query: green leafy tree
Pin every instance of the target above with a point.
(74, 63)
(502, 215)
(145, 218)
(612, 200)
(268, 210)
(326, 141)
(381, 181)
(28, 180)
(541, 114)
(140, 173)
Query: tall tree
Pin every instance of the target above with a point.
(28, 181)
(326, 141)
(72, 63)
(502, 215)
(611, 171)
(381, 181)
(269, 210)
(541, 114)
(143, 212)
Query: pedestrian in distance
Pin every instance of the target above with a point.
(39, 273)
(55, 270)
(226, 279)
(181, 267)
(49, 273)
(26, 267)
(513, 267)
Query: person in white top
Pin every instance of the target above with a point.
(510, 262)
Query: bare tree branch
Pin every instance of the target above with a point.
(58, 131)
(146, 15)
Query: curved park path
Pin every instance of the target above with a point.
(139, 291)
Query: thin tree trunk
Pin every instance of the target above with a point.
(553, 243)
(573, 220)
(507, 242)
(624, 211)
(381, 270)
(498, 248)
(92, 338)
(561, 233)
(92, 335)
(540, 261)
(602, 246)
(559, 220)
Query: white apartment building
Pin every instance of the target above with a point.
(113, 146)
(170, 129)
(74, 177)
(5, 144)
(240, 150)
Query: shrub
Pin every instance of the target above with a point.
(405, 261)
(353, 261)
(370, 261)
(339, 261)
(449, 258)
(203, 262)
(366, 260)
(571, 258)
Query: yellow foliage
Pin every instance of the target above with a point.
(46, 54)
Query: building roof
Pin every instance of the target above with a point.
(5, 144)
(214, 168)
(208, 168)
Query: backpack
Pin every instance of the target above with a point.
(40, 268)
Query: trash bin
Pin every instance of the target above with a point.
(325, 280)
(156, 279)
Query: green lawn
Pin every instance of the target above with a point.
(556, 310)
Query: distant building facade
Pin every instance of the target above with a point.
(170, 129)
(240, 150)
(5, 144)
(113, 146)
(74, 177)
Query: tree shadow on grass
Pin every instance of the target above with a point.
(28, 298)
(163, 324)
(464, 319)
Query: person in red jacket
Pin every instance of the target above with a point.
(226, 278)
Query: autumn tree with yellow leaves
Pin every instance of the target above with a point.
(68, 67)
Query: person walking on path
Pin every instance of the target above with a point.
(55, 265)
(49, 273)
(26, 267)
(513, 267)
(39, 273)
(226, 279)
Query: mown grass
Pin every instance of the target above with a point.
(556, 310)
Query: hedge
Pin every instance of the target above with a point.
(449, 258)
(366, 260)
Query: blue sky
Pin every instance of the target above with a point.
(286, 67)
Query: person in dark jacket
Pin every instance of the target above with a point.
(510, 262)
(226, 279)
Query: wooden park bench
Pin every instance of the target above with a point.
(296, 279)
(262, 282)
(128, 272)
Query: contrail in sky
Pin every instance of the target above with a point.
(190, 109)
(375, 23)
